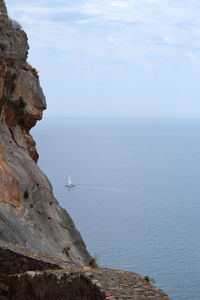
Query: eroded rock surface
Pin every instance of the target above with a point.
(29, 213)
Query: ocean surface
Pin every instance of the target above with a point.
(137, 195)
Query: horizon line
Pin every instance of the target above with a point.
(120, 117)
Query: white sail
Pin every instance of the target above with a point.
(69, 181)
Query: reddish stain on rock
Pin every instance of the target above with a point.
(108, 294)
(9, 185)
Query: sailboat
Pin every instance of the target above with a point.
(69, 183)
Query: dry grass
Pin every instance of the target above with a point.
(93, 262)
(29, 68)
(46, 255)
(15, 25)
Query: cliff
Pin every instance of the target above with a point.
(42, 255)
(29, 213)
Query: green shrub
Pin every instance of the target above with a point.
(149, 279)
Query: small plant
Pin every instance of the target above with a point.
(93, 262)
(35, 72)
(47, 255)
(67, 248)
(28, 67)
(149, 279)
(15, 24)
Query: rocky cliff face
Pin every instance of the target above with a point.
(29, 213)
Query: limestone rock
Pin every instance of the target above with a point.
(29, 213)
(3, 12)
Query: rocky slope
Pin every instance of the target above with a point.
(29, 213)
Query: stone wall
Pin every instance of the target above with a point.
(15, 259)
(51, 286)
(4, 287)
(82, 284)
(27, 275)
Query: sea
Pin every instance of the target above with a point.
(137, 196)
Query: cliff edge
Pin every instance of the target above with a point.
(29, 213)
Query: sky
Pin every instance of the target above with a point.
(115, 58)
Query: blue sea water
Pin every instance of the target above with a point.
(137, 195)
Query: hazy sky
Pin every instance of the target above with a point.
(134, 58)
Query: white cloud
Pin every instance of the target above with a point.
(97, 26)
(123, 4)
(108, 48)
